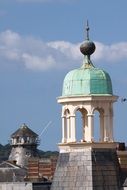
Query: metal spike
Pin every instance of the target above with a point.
(87, 30)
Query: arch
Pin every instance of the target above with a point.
(66, 126)
(82, 121)
(66, 112)
(77, 108)
(99, 122)
(99, 109)
(70, 126)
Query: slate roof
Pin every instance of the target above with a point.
(24, 130)
(10, 172)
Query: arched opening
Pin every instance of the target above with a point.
(81, 124)
(98, 125)
(79, 127)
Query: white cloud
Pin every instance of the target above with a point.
(34, 54)
(42, 1)
(33, 1)
(38, 63)
(10, 39)
(111, 53)
(66, 48)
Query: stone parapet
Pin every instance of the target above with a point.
(84, 146)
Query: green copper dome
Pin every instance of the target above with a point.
(87, 80)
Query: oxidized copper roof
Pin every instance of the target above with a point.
(24, 131)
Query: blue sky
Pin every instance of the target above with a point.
(39, 44)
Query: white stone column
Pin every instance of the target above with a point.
(64, 129)
(86, 129)
(111, 128)
(90, 138)
(83, 126)
(106, 128)
(101, 127)
(73, 129)
(68, 129)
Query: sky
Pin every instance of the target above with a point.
(39, 44)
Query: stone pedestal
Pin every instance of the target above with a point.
(87, 166)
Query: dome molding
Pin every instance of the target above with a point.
(71, 99)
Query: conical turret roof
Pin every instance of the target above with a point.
(24, 130)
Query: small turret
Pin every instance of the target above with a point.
(24, 144)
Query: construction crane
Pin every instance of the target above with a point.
(43, 130)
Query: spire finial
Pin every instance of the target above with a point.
(87, 30)
(87, 48)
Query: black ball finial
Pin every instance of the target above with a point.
(88, 47)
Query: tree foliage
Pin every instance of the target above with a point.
(6, 149)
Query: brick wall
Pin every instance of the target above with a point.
(41, 169)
